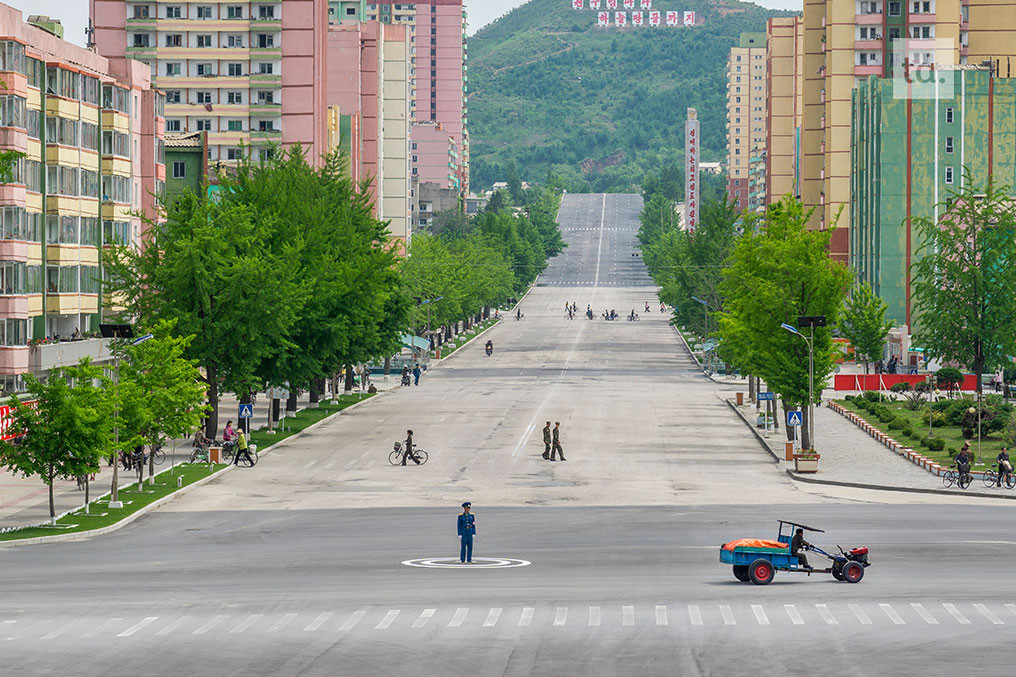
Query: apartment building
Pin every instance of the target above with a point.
(244, 72)
(784, 87)
(746, 117)
(844, 41)
(368, 86)
(91, 131)
(438, 66)
(909, 154)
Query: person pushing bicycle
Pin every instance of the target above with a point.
(408, 453)
(241, 448)
(1004, 465)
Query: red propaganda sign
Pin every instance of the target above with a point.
(7, 420)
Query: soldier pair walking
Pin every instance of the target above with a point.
(552, 442)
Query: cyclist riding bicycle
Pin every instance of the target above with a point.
(408, 453)
(962, 460)
(1004, 465)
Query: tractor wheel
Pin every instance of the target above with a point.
(837, 572)
(741, 573)
(761, 572)
(853, 572)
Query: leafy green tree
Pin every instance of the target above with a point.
(777, 273)
(449, 223)
(67, 431)
(515, 184)
(964, 280)
(864, 323)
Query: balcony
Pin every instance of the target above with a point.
(141, 23)
(270, 109)
(43, 358)
(266, 78)
(265, 52)
(259, 24)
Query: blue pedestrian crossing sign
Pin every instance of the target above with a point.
(794, 418)
(246, 411)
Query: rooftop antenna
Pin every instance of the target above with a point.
(90, 35)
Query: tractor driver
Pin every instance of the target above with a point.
(797, 547)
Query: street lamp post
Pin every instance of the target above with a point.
(811, 378)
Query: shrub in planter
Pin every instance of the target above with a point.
(936, 444)
(885, 414)
(898, 423)
(873, 396)
(908, 430)
(926, 442)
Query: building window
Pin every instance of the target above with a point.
(895, 8)
(234, 125)
(921, 32)
(265, 68)
(172, 69)
(266, 126)
(204, 12)
(235, 69)
(948, 114)
(894, 32)
(233, 154)
(204, 97)
(234, 97)
(948, 144)
(266, 12)
(203, 125)
(173, 12)
(205, 69)
(234, 40)
(949, 175)
(174, 40)
(141, 40)
(266, 98)
(265, 154)
(173, 96)
(140, 11)
(234, 12)
(179, 170)
(173, 125)
(265, 40)
(922, 6)
(204, 41)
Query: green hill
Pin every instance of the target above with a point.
(600, 107)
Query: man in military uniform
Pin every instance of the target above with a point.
(556, 449)
(546, 441)
(467, 530)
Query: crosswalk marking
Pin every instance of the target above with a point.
(891, 613)
(318, 622)
(209, 625)
(859, 614)
(492, 617)
(728, 615)
(310, 464)
(826, 615)
(162, 632)
(1011, 608)
(352, 620)
(460, 615)
(281, 623)
(955, 613)
(925, 614)
(594, 616)
(661, 615)
(694, 614)
(987, 613)
(795, 615)
(387, 620)
(148, 620)
(99, 628)
(245, 623)
(561, 615)
(60, 630)
(527, 617)
(628, 615)
(425, 616)
(760, 614)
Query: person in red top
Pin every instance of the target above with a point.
(228, 434)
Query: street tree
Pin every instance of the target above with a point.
(777, 273)
(62, 430)
(864, 323)
(964, 280)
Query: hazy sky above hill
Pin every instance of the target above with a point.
(74, 13)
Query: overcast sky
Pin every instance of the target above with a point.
(74, 13)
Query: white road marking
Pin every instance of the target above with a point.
(695, 614)
(460, 615)
(826, 615)
(209, 625)
(989, 614)
(59, 631)
(387, 620)
(594, 616)
(627, 615)
(148, 620)
(599, 246)
(891, 613)
(309, 464)
(329, 465)
(492, 617)
(282, 622)
(760, 614)
(425, 616)
(661, 615)
(524, 439)
(527, 617)
(370, 464)
(925, 614)
(955, 613)
(352, 620)
(172, 626)
(795, 615)
(859, 614)
(1011, 608)
(318, 622)
(728, 615)
(96, 630)
(561, 615)
(245, 623)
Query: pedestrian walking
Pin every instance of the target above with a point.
(409, 449)
(546, 441)
(416, 374)
(467, 531)
(556, 450)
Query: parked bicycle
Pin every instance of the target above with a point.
(953, 476)
(418, 455)
(991, 478)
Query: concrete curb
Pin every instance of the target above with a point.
(456, 351)
(704, 372)
(758, 436)
(884, 487)
(83, 535)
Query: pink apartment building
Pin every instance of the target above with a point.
(247, 73)
(91, 132)
(435, 156)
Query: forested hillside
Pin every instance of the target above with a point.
(600, 107)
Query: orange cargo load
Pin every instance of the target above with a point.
(755, 543)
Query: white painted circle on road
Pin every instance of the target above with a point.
(477, 563)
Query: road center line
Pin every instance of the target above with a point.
(599, 246)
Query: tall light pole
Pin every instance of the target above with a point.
(705, 319)
(811, 379)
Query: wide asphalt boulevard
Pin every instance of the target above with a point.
(604, 564)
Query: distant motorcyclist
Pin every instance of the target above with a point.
(489, 347)
(405, 374)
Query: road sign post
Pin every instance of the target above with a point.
(794, 418)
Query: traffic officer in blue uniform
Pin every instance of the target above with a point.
(467, 529)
